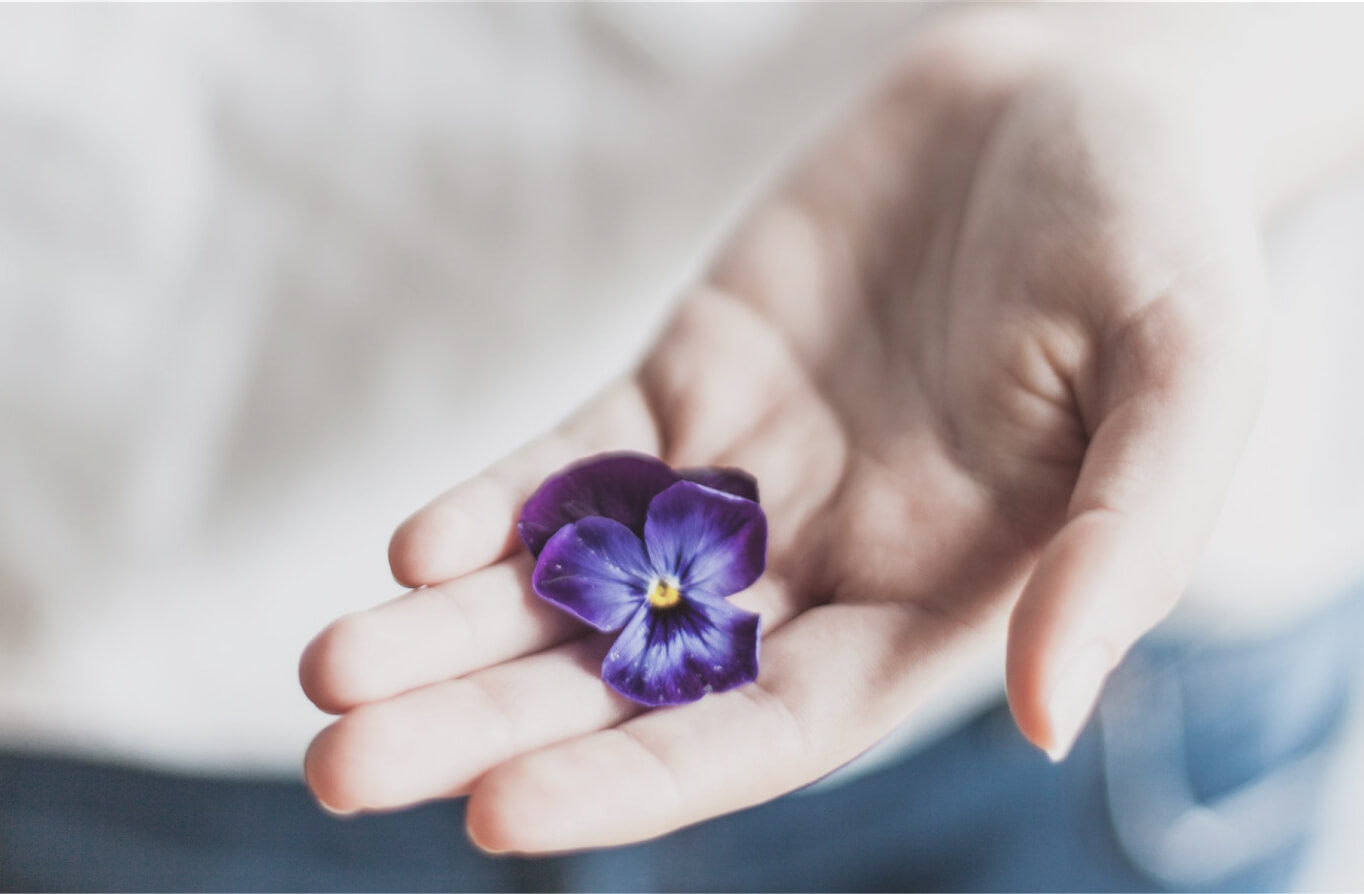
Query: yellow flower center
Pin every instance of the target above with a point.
(664, 595)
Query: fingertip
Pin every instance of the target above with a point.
(364, 761)
(1094, 592)
(486, 822)
(1027, 707)
(415, 551)
(338, 814)
(1051, 713)
(331, 669)
(321, 773)
(519, 806)
(1036, 633)
(490, 850)
(469, 526)
(1075, 694)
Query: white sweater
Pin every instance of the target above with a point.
(270, 278)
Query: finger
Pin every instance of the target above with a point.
(1153, 479)
(834, 681)
(434, 741)
(474, 523)
(432, 634)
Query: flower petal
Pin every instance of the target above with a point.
(725, 478)
(610, 485)
(677, 655)
(711, 542)
(595, 569)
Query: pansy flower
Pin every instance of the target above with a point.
(624, 542)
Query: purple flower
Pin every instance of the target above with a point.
(626, 543)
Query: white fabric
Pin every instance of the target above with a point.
(270, 278)
(1291, 535)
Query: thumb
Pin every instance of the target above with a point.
(1179, 392)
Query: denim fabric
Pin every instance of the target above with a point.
(1200, 772)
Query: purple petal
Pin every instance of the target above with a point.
(730, 480)
(595, 569)
(676, 655)
(709, 541)
(610, 485)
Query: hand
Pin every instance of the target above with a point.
(992, 352)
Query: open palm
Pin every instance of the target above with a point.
(991, 353)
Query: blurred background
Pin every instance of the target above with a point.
(273, 277)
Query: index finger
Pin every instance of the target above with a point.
(473, 524)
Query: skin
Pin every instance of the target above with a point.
(992, 352)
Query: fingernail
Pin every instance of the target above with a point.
(487, 849)
(1074, 696)
(336, 812)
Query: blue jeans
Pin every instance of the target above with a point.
(1200, 771)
